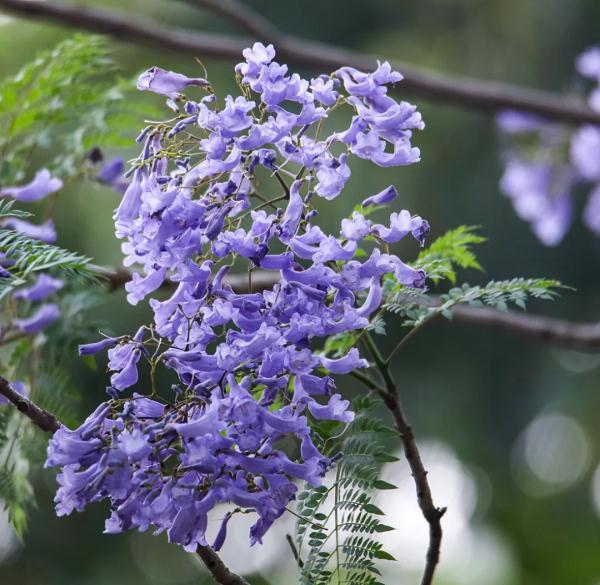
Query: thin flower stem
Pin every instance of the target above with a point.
(280, 180)
(271, 201)
(295, 552)
(365, 380)
(410, 335)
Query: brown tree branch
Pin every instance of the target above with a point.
(461, 91)
(218, 569)
(40, 417)
(431, 513)
(560, 332)
(240, 14)
(549, 330)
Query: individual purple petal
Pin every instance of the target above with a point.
(139, 287)
(591, 213)
(112, 174)
(585, 152)
(332, 176)
(588, 63)
(335, 409)
(356, 228)
(515, 122)
(344, 365)
(111, 170)
(128, 375)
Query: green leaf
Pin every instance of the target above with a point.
(373, 509)
(30, 256)
(381, 554)
(449, 252)
(384, 485)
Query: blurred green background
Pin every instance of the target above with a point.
(510, 429)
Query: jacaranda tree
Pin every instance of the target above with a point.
(237, 392)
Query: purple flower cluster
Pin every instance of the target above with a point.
(546, 161)
(250, 376)
(42, 185)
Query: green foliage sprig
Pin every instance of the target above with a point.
(339, 523)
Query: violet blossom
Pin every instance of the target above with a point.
(540, 181)
(40, 186)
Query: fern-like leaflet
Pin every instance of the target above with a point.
(29, 255)
(337, 531)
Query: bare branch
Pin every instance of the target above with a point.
(218, 569)
(470, 93)
(576, 336)
(42, 418)
(431, 513)
(240, 14)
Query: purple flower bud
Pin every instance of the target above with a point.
(167, 83)
(222, 533)
(382, 198)
(98, 346)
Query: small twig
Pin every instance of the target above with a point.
(365, 380)
(297, 558)
(42, 418)
(431, 513)
(410, 335)
(12, 338)
(282, 183)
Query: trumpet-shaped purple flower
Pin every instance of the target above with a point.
(42, 185)
(44, 286)
(45, 232)
(42, 317)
